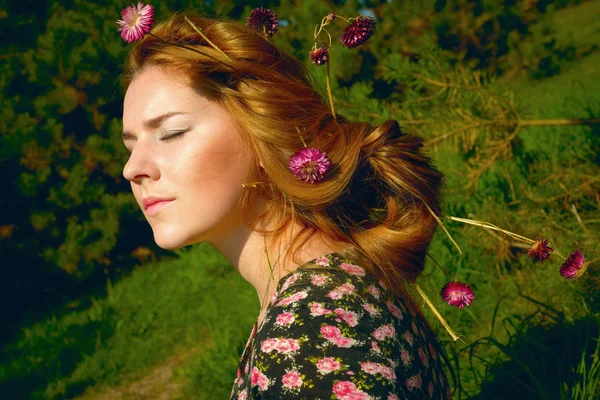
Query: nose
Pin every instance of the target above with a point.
(141, 164)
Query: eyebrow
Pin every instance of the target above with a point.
(153, 123)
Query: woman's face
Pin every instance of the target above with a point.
(186, 151)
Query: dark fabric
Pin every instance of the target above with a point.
(337, 333)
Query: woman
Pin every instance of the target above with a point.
(329, 235)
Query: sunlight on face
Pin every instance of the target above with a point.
(186, 152)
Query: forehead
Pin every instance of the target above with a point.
(153, 92)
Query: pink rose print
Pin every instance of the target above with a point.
(258, 378)
(405, 357)
(394, 310)
(350, 372)
(293, 298)
(322, 261)
(288, 282)
(344, 342)
(327, 365)
(330, 332)
(374, 291)
(383, 332)
(285, 319)
(285, 346)
(268, 345)
(432, 351)
(414, 382)
(274, 297)
(317, 309)
(375, 347)
(423, 358)
(344, 388)
(392, 363)
(319, 280)
(393, 397)
(352, 269)
(292, 380)
(388, 373)
(409, 338)
(341, 290)
(242, 395)
(348, 391)
(350, 317)
(370, 309)
(370, 367)
(246, 367)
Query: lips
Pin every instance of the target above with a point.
(153, 204)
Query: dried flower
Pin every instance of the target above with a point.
(574, 266)
(263, 17)
(309, 164)
(137, 22)
(540, 250)
(330, 17)
(319, 55)
(457, 294)
(358, 32)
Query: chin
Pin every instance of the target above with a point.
(169, 242)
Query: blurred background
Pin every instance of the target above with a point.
(506, 94)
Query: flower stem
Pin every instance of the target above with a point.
(329, 91)
(491, 226)
(455, 337)
(214, 46)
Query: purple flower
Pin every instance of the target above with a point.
(457, 294)
(540, 250)
(309, 164)
(319, 55)
(263, 17)
(136, 23)
(358, 32)
(574, 266)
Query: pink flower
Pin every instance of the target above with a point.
(319, 280)
(309, 164)
(405, 357)
(344, 388)
(393, 397)
(394, 310)
(408, 337)
(352, 269)
(292, 380)
(258, 378)
(319, 55)
(288, 282)
(285, 319)
(374, 291)
(457, 294)
(338, 292)
(268, 345)
(243, 395)
(383, 332)
(388, 373)
(414, 382)
(263, 18)
(574, 266)
(285, 346)
(540, 250)
(327, 365)
(330, 332)
(370, 309)
(322, 261)
(375, 347)
(358, 32)
(344, 342)
(370, 367)
(136, 23)
(350, 317)
(293, 298)
(423, 357)
(318, 309)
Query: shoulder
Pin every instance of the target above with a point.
(328, 333)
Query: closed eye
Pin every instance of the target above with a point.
(174, 135)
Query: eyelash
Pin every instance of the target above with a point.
(174, 135)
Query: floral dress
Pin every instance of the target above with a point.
(336, 332)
